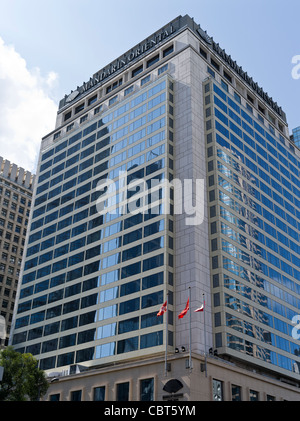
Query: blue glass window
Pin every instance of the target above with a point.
(47, 243)
(131, 253)
(152, 280)
(77, 244)
(152, 299)
(130, 288)
(74, 274)
(153, 262)
(151, 339)
(220, 93)
(153, 245)
(71, 306)
(37, 317)
(55, 296)
(128, 345)
(76, 258)
(44, 271)
(59, 265)
(129, 306)
(131, 270)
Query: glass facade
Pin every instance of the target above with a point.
(254, 186)
(92, 281)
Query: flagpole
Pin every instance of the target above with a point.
(190, 344)
(166, 352)
(205, 356)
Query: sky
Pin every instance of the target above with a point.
(49, 47)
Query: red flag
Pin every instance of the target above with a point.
(201, 308)
(187, 307)
(163, 309)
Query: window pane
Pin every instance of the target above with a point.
(147, 390)
(123, 392)
(76, 395)
(236, 393)
(217, 390)
(99, 393)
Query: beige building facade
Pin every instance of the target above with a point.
(223, 381)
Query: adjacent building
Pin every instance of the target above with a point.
(16, 186)
(296, 136)
(169, 176)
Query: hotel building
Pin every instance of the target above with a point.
(96, 273)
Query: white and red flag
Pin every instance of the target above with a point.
(201, 308)
(163, 309)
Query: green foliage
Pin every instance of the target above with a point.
(22, 379)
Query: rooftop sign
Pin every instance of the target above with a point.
(130, 57)
(149, 44)
(239, 70)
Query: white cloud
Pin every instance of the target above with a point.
(27, 110)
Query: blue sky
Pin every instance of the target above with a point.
(48, 47)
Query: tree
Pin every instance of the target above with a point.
(22, 379)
